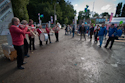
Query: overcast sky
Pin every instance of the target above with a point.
(99, 5)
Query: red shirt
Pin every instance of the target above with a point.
(17, 35)
(56, 31)
(27, 32)
(47, 30)
(40, 31)
(31, 29)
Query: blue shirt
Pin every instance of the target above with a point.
(112, 31)
(102, 31)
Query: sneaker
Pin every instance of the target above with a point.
(21, 67)
(27, 55)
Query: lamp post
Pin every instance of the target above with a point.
(55, 17)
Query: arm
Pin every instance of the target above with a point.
(18, 30)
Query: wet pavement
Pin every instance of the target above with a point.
(68, 61)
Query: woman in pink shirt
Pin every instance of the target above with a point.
(18, 40)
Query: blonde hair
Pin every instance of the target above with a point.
(24, 22)
(12, 21)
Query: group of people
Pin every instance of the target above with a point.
(19, 30)
(100, 33)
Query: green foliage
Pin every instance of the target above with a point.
(20, 9)
(123, 11)
(65, 20)
(118, 9)
(96, 15)
(64, 10)
(105, 14)
(92, 21)
(83, 14)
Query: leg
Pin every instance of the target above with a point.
(33, 43)
(49, 38)
(107, 42)
(30, 42)
(81, 36)
(57, 36)
(25, 47)
(112, 41)
(101, 40)
(90, 36)
(85, 36)
(20, 55)
(40, 42)
(73, 34)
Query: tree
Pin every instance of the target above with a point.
(104, 14)
(123, 11)
(83, 14)
(80, 15)
(46, 7)
(96, 15)
(20, 9)
(92, 21)
(118, 9)
(65, 20)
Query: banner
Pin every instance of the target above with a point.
(51, 19)
(6, 15)
(111, 17)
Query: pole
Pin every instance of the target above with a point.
(93, 8)
(54, 13)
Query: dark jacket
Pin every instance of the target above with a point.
(112, 31)
(92, 29)
(82, 30)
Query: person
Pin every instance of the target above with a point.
(91, 31)
(56, 30)
(101, 34)
(88, 30)
(83, 31)
(96, 30)
(70, 29)
(112, 35)
(24, 22)
(73, 30)
(40, 30)
(66, 30)
(119, 32)
(31, 36)
(17, 35)
(48, 32)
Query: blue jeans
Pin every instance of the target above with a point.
(101, 40)
(72, 34)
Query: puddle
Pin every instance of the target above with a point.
(114, 65)
(82, 58)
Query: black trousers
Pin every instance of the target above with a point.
(96, 35)
(49, 39)
(91, 33)
(20, 54)
(57, 35)
(112, 41)
(40, 42)
(32, 41)
(25, 47)
(83, 34)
